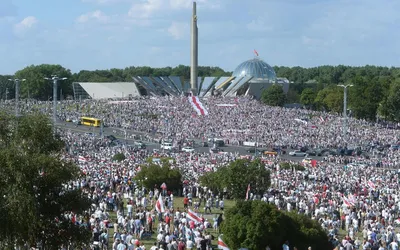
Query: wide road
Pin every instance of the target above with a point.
(119, 133)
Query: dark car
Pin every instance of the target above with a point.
(216, 150)
(111, 137)
(253, 150)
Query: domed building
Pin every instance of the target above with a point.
(256, 68)
(251, 77)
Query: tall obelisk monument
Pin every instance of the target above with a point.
(194, 53)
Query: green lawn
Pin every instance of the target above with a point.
(178, 203)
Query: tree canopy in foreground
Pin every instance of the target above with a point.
(256, 225)
(236, 176)
(32, 182)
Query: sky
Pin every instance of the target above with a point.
(104, 34)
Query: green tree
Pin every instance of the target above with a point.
(152, 174)
(119, 157)
(390, 107)
(308, 97)
(37, 87)
(237, 176)
(32, 180)
(274, 95)
(256, 225)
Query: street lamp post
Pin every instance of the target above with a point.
(17, 87)
(345, 87)
(55, 79)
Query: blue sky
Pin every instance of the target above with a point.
(102, 34)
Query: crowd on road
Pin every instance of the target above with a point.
(348, 195)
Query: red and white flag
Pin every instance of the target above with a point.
(160, 205)
(82, 159)
(371, 185)
(193, 216)
(255, 52)
(221, 244)
(197, 105)
(248, 192)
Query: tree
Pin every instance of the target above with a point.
(390, 107)
(152, 174)
(237, 176)
(119, 157)
(37, 87)
(256, 225)
(307, 97)
(274, 95)
(32, 179)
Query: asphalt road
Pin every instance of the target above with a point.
(152, 145)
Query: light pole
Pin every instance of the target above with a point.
(17, 86)
(345, 87)
(55, 79)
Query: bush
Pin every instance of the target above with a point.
(119, 157)
(256, 225)
(287, 165)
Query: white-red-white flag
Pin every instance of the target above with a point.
(255, 52)
(197, 105)
(248, 192)
(193, 216)
(371, 185)
(160, 205)
(221, 244)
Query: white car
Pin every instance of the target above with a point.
(297, 153)
(166, 146)
(188, 149)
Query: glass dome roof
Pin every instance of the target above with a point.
(256, 68)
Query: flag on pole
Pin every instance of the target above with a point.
(255, 52)
(248, 192)
(160, 205)
(221, 244)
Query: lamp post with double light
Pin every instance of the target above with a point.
(55, 79)
(17, 88)
(345, 87)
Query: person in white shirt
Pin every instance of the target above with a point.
(285, 246)
(154, 247)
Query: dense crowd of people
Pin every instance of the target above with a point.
(351, 195)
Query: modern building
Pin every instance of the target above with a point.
(249, 78)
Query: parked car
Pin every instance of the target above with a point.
(215, 150)
(188, 149)
(139, 144)
(111, 137)
(253, 150)
(297, 153)
(166, 146)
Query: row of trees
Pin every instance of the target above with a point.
(374, 91)
(368, 98)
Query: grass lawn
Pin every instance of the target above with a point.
(178, 203)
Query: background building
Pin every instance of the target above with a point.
(249, 78)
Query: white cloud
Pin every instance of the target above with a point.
(146, 9)
(103, 2)
(25, 25)
(178, 30)
(258, 25)
(179, 4)
(95, 15)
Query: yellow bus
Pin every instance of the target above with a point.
(89, 121)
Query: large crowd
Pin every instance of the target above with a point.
(350, 194)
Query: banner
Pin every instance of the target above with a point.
(197, 105)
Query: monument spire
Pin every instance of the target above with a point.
(194, 53)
